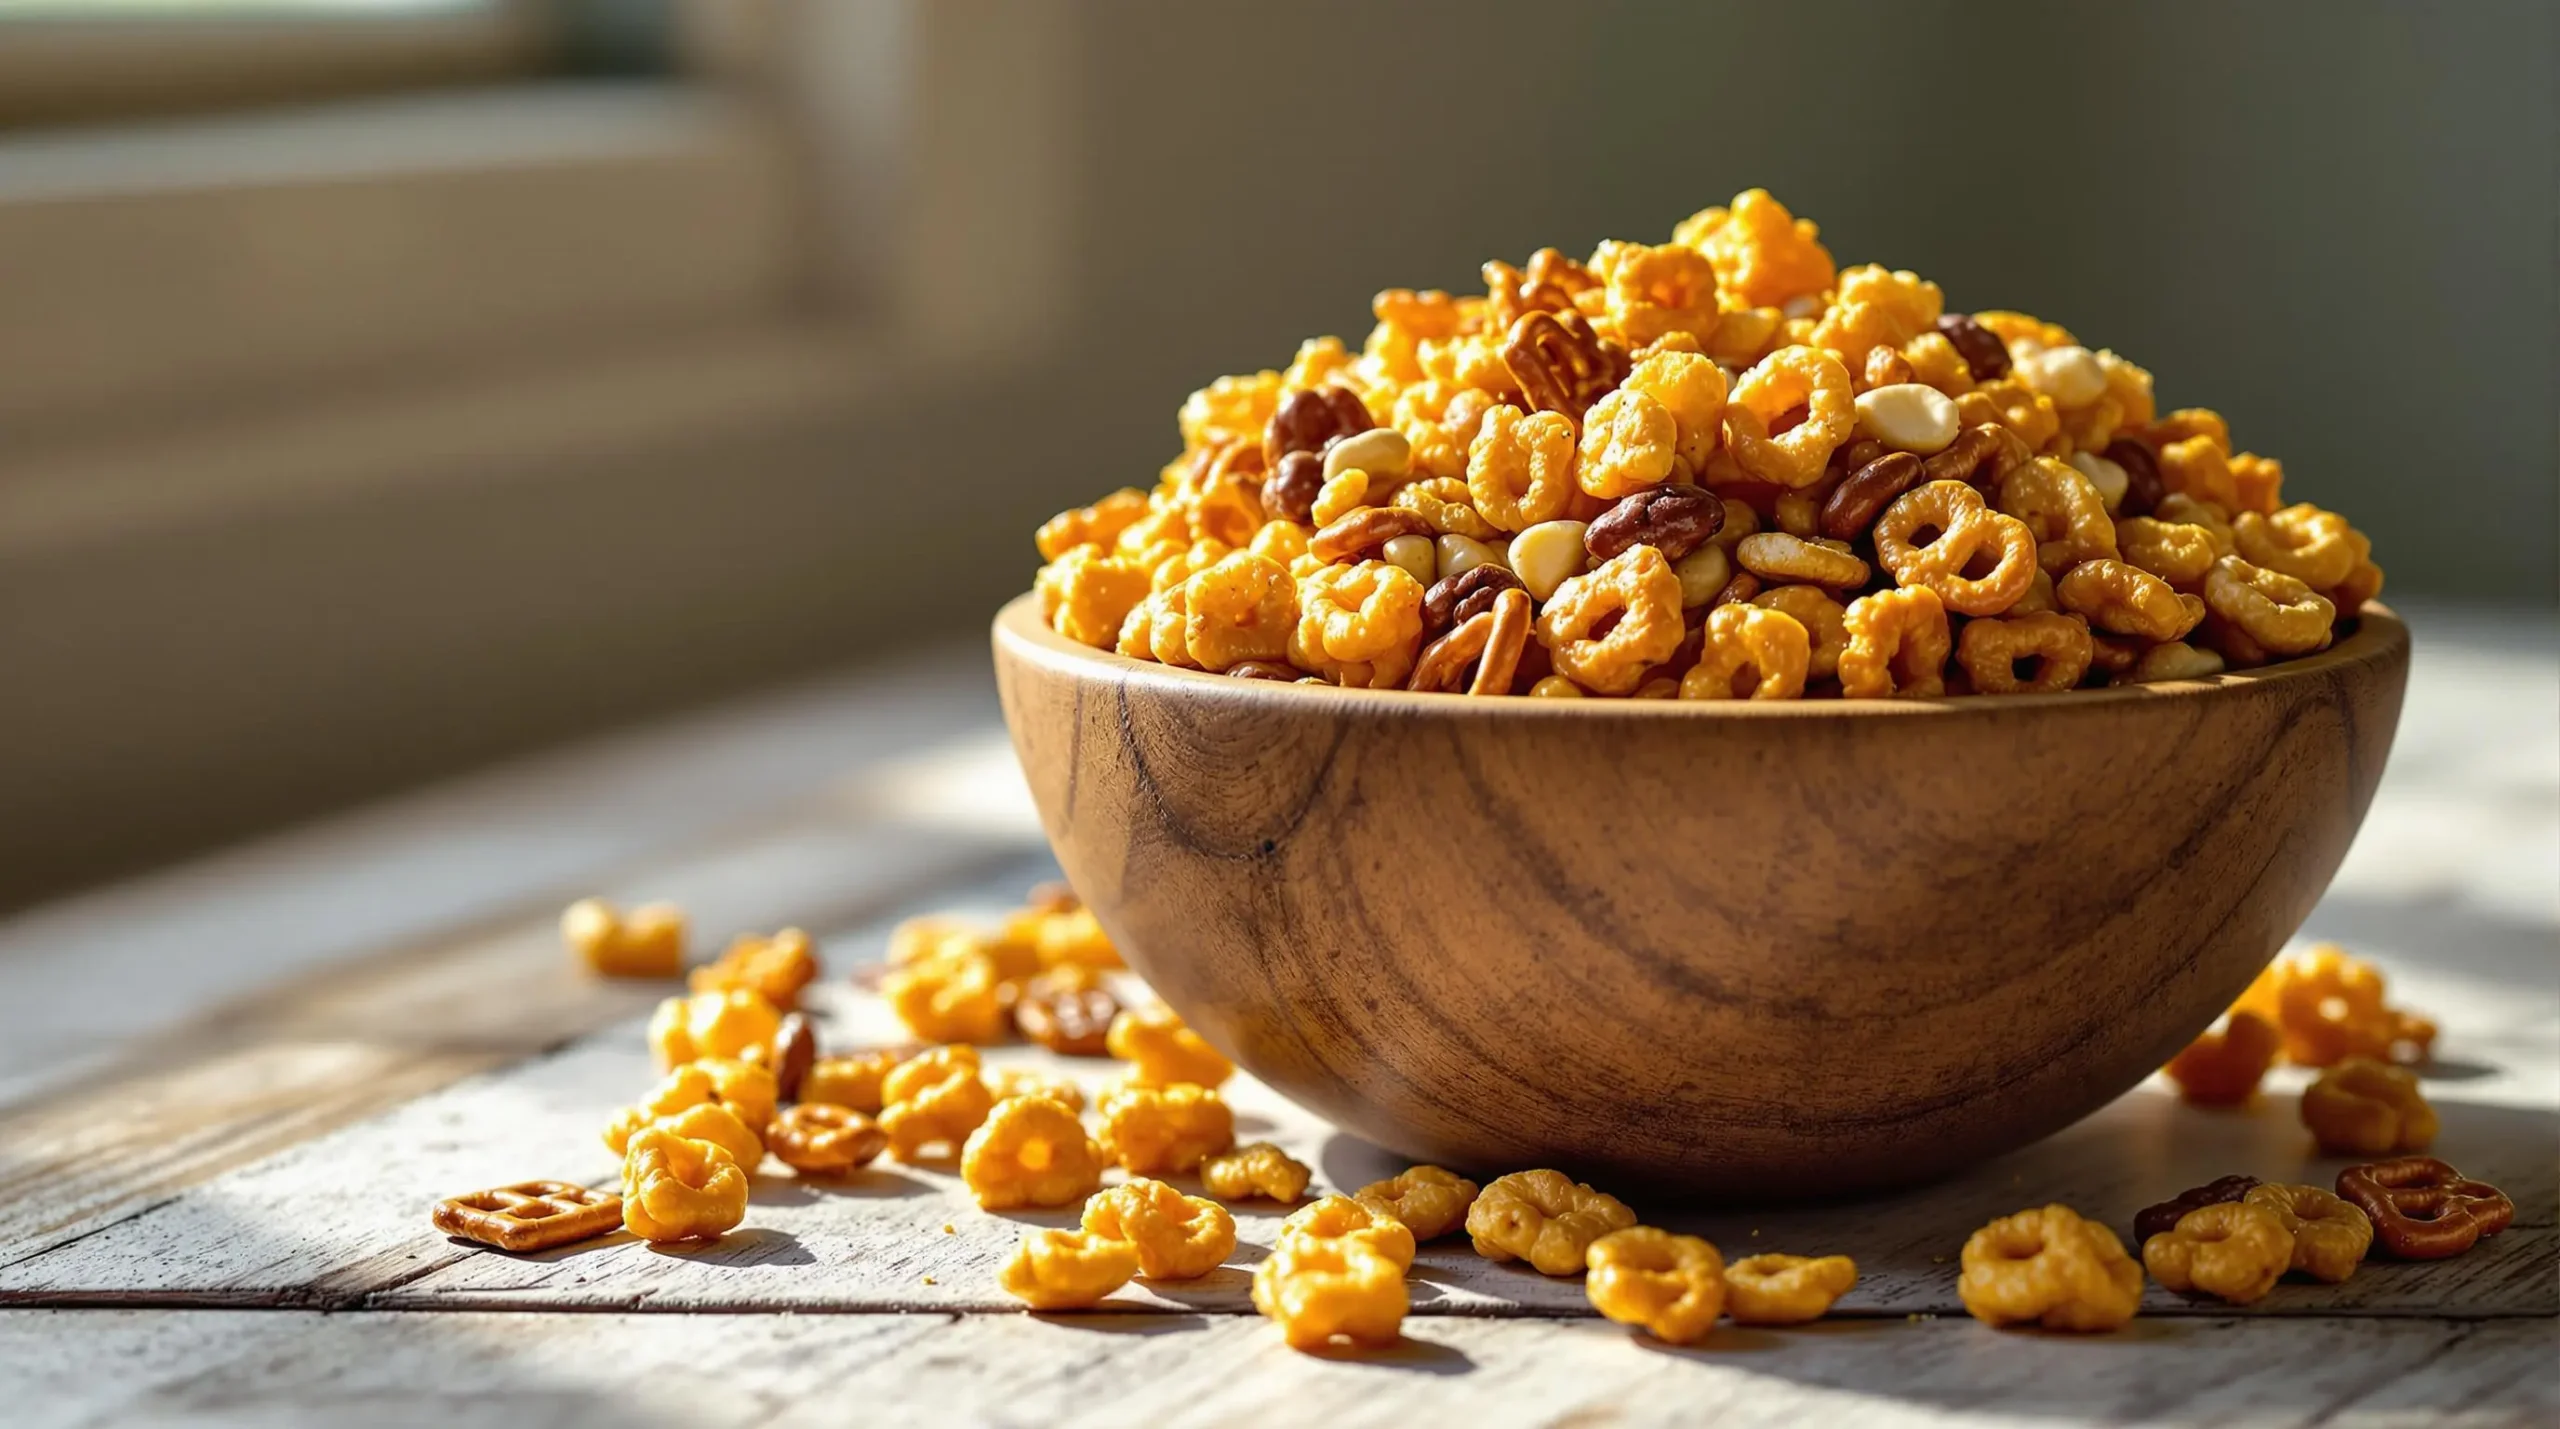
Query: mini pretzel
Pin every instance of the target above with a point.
(1559, 362)
(1966, 529)
(822, 1137)
(530, 1215)
(2423, 1209)
(1364, 529)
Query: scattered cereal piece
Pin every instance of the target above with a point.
(1429, 1200)
(1672, 1285)
(2156, 1220)
(2331, 1007)
(2234, 1251)
(675, 1188)
(1256, 1169)
(2330, 1237)
(1067, 1270)
(2362, 1107)
(852, 1080)
(1156, 1131)
(2222, 1068)
(1178, 1237)
(646, 942)
(1161, 1051)
(1786, 1289)
(1342, 1218)
(1030, 1151)
(1543, 1217)
(934, 1099)
(1323, 1290)
(2051, 1267)
(774, 968)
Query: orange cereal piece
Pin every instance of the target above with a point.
(647, 942)
(2223, 1068)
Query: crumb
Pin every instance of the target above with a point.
(929, 1280)
(947, 1230)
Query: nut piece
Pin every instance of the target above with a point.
(1430, 1201)
(1547, 555)
(1543, 1217)
(1671, 1285)
(2049, 1266)
(1461, 596)
(1786, 1289)
(1908, 417)
(1068, 1013)
(2235, 1251)
(1674, 520)
(1985, 355)
(1382, 452)
(795, 1051)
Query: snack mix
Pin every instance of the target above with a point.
(1714, 468)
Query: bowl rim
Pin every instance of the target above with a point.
(2379, 636)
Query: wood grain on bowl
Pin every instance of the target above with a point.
(1745, 950)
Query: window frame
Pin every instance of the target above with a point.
(65, 68)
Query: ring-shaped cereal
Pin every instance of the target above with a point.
(1992, 649)
(1658, 290)
(1447, 504)
(2232, 1250)
(1671, 1285)
(2116, 597)
(1638, 586)
(1178, 1237)
(1789, 378)
(1772, 647)
(1966, 530)
(1359, 614)
(2063, 510)
(2281, 614)
(2330, 1236)
(2174, 551)
(1776, 556)
(1897, 645)
(1786, 1289)
(1629, 442)
(2050, 1266)
(1820, 615)
(2315, 547)
(1520, 467)
(1241, 608)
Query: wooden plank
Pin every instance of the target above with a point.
(275, 1069)
(68, 1368)
(358, 1235)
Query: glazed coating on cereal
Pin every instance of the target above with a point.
(1718, 467)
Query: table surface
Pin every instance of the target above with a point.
(228, 1093)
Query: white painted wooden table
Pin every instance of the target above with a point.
(227, 1096)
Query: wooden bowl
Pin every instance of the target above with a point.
(1741, 950)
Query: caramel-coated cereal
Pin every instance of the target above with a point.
(1159, 1131)
(1161, 1051)
(646, 942)
(1349, 1218)
(2330, 1236)
(1543, 1217)
(2362, 1107)
(2051, 1267)
(2234, 1251)
(1671, 1285)
(1256, 1168)
(1786, 1289)
(675, 1188)
(1321, 1291)
(1177, 1237)
(934, 1100)
(1066, 1270)
(1430, 1201)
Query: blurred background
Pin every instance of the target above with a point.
(390, 388)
